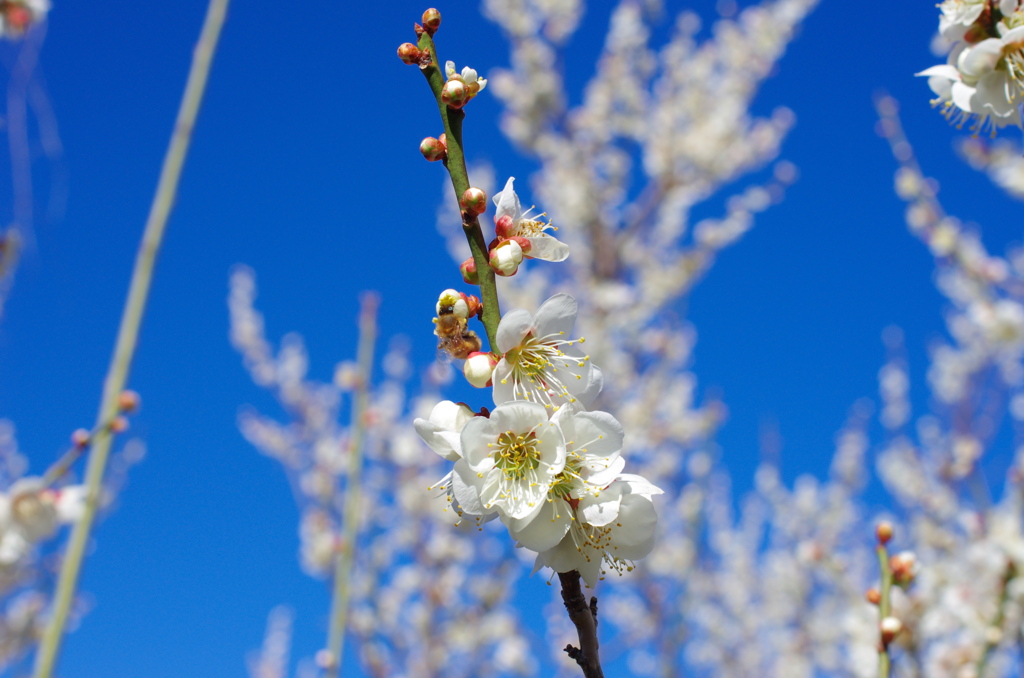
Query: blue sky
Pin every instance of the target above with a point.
(304, 166)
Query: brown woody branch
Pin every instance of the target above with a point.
(584, 617)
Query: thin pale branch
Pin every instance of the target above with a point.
(127, 336)
(353, 492)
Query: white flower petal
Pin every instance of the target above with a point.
(507, 202)
(547, 248)
(545, 528)
(556, 315)
(601, 509)
(512, 329)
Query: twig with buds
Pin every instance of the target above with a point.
(353, 494)
(888, 626)
(455, 162)
(128, 333)
(81, 438)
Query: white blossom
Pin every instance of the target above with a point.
(540, 362)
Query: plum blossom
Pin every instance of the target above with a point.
(611, 529)
(442, 431)
(983, 80)
(512, 223)
(539, 362)
(593, 442)
(512, 457)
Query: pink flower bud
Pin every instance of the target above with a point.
(432, 149)
(506, 257)
(17, 17)
(431, 20)
(903, 566)
(455, 94)
(503, 226)
(80, 438)
(474, 201)
(873, 596)
(474, 304)
(478, 369)
(409, 53)
(890, 627)
(469, 272)
(119, 424)
(883, 532)
(128, 401)
(524, 244)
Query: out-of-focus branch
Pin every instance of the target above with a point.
(353, 493)
(584, 617)
(884, 610)
(993, 640)
(127, 336)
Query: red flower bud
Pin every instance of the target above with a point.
(18, 17)
(474, 201)
(883, 532)
(128, 401)
(80, 438)
(503, 226)
(409, 53)
(469, 272)
(873, 596)
(474, 304)
(118, 425)
(432, 149)
(524, 243)
(431, 20)
(455, 94)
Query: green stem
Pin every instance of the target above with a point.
(353, 493)
(884, 609)
(128, 332)
(456, 164)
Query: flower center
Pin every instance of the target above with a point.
(535, 364)
(517, 454)
(563, 483)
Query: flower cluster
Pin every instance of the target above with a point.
(983, 79)
(551, 470)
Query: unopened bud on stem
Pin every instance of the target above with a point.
(80, 438)
(128, 401)
(469, 272)
(474, 201)
(873, 596)
(890, 627)
(409, 53)
(431, 20)
(432, 149)
(455, 94)
(883, 532)
(478, 369)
